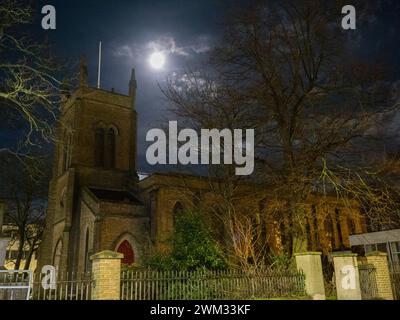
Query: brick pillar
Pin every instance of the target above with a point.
(310, 264)
(347, 276)
(106, 272)
(380, 262)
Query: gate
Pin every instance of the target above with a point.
(15, 284)
(368, 286)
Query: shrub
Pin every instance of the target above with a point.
(193, 247)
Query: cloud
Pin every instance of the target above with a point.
(165, 44)
(124, 51)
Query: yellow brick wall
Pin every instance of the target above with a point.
(380, 262)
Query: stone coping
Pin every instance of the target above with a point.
(311, 253)
(376, 253)
(107, 254)
(343, 254)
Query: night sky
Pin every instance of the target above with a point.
(185, 31)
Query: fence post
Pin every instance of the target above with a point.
(384, 285)
(3, 250)
(310, 264)
(347, 276)
(106, 272)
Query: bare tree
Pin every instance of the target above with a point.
(284, 69)
(30, 86)
(26, 204)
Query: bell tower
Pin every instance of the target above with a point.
(96, 148)
(98, 129)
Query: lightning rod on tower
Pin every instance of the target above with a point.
(99, 69)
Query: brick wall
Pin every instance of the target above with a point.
(380, 262)
(106, 272)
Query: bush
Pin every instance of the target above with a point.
(193, 247)
(282, 262)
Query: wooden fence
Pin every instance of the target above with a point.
(209, 285)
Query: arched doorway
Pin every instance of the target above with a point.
(126, 249)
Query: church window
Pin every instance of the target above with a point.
(328, 226)
(110, 148)
(282, 233)
(99, 147)
(62, 198)
(87, 258)
(178, 210)
(339, 228)
(153, 215)
(262, 205)
(351, 226)
(57, 254)
(66, 150)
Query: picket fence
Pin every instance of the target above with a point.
(210, 285)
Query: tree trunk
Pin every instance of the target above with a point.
(29, 259)
(20, 250)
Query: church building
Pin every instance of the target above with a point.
(96, 200)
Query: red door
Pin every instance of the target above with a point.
(126, 249)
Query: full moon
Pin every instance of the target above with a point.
(157, 60)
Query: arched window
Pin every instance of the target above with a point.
(153, 215)
(110, 149)
(57, 255)
(67, 150)
(351, 226)
(282, 233)
(310, 238)
(313, 226)
(87, 258)
(196, 199)
(178, 210)
(126, 249)
(62, 198)
(328, 226)
(65, 154)
(339, 228)
(99, 147)
(262, 205)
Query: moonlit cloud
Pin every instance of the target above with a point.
(166, 45)
(124, 51)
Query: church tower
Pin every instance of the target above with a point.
(93, 202)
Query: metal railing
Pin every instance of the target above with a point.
(68, 286)
(15, 284)
(395, 279)
(368, 286)
(210, 285)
